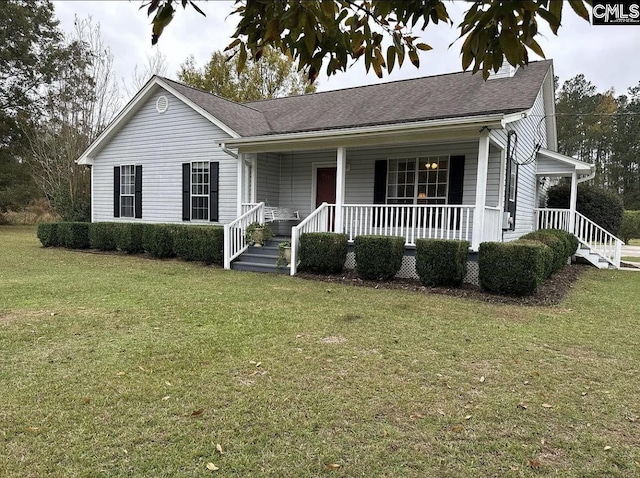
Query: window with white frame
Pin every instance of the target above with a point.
(127, 190)
(200, 190)
(419, 180)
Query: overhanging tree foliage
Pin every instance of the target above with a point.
(274, 76)
(336, 33)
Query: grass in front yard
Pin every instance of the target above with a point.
(124, 366)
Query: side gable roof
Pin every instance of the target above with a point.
(449, 96)
(429, 98)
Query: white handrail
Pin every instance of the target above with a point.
(598, 239)
(234, 233)
(411, 221)
(590, 234)
(320, 220)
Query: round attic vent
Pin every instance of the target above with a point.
(162, 103)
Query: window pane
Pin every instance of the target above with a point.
(199, 208)
(126, 206)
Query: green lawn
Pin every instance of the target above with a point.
(114, 366)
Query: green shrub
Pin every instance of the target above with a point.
(74, 235)
(601, 206)
(559, 248)
(630, 227)
(323, 252)
(128, 237)
(199, 243)
(378, 257)
(48, 234)
(157, 240)
(569, 239)
(102, 236)
(513, 268)
(441, 262)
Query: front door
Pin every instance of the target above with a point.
(325, 186)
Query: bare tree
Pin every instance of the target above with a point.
(156, 65)
(81, 102)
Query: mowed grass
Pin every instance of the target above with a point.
(115, 366)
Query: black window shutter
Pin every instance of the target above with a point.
(116, 191)
(214, 170)
(186, 191)
(456, 179)
(138, 193)
(380, 182)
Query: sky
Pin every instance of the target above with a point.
(606, 55)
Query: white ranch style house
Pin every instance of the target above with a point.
(446, 156)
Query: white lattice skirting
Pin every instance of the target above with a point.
(408, 269)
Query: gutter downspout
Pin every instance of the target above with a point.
(224, 148)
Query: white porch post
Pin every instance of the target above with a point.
(341, 168)
(240, 175)
(481, 191)
(254, 178)
(573, 201)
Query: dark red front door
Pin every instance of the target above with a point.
(325, 186)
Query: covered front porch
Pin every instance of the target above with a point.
(443, 185)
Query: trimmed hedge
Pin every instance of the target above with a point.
(128, 237)
(513, 268)
(378, 257)
(48, 234)
(630, 227)
(102, 236)
(157, 240)
(323, 252)
(199, 243)
(441, 262)
(74, 235)
(559, 248)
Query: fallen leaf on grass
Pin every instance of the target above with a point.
(607, 448)
(164, 399)
(533, 463)
(385, 433)
(416, 416)
(527, 382)
(332, 466)
(522, 406)
(547, 405)
(212, 467)
(168, 383)
(457, 428)
(120, 374)
(33, 429)
(258, 364)
(468, 417)
(197, 413)
(219, 448)
(482, 379)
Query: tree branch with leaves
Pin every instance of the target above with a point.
(334, 34)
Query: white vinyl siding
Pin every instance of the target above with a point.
(161, 143)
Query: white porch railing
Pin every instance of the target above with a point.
(492, 224)
(247, 206)
(234, 232)
(553, 219)
(409, 221)
(320, 220)
(597, 239)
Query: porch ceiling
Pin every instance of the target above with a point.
(419, 132)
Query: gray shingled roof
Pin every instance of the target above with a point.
(435, 97)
